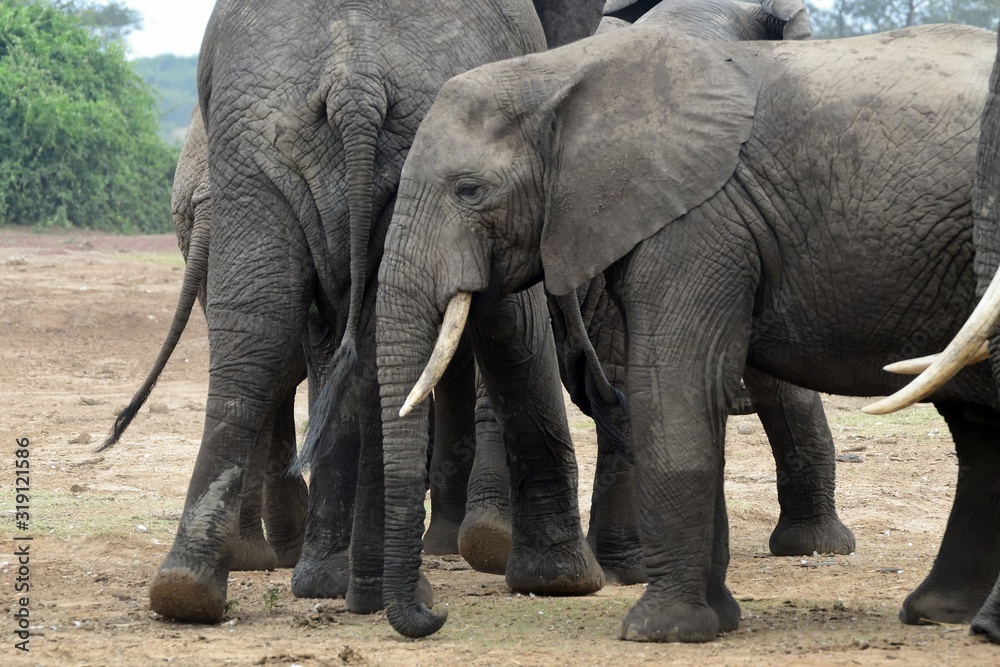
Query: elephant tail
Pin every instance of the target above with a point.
(356, 109)
(195, 273)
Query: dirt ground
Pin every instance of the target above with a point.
(81, 319)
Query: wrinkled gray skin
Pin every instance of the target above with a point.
(987, 241)
(269, 490)
(800, 208)
(309, 111)
(330, 512)
(793, 417)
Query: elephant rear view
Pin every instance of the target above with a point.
(309, 110)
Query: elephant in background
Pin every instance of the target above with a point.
(759, 212)
(309, 113)
(792, 417)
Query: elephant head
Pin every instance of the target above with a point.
(496, 194)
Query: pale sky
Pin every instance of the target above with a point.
(169, 26)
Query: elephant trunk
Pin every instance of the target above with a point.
(405, 335)
(195, 273)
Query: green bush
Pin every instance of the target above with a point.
(78, 129)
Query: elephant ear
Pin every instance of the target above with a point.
(647, 125)
(794, 14)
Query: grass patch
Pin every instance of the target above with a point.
(918, 421)
(65, 514)
(149, 257)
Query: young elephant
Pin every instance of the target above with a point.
(751, 204)
(792, 417)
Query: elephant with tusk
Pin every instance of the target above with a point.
(758, 205)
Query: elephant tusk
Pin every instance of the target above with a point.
(965, 348)
(451, 333)
(920, 364)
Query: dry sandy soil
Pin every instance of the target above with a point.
(81, 318)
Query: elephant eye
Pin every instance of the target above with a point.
(470, 193)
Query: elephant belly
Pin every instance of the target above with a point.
(840, 346)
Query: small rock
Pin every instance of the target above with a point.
(349, 656)
(195, 406)
(159, 408)
(82, 439)
(16, 261)
(86, 400)
(78, 488)
(850, 458)
(745, 428)
(141, 528)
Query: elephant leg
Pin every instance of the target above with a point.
(718, 595)
(613, 534)
(516, 352)
(191, 583)
(323, 568)
(252, 551)
(686, 320)
(804, 456)
(485, 537)
(987, 619)
(968, 562)
(453, 453)
(255, 325)
(285, 496)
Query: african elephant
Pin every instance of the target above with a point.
(977, 340)
(797, 208)
(323, 569)
(792, 417)
(309, 112)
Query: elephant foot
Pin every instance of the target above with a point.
(803, 537)
(650, 621)
(987, 621)
(321, 577)
(623, 568)
(484, 541)
(288, 557)
(725, 606)
(441, 537)
(930, 603)
(253, 553)
(285, 519)
(183, 594)
(364, 594)
(568, 569)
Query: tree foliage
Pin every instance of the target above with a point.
(113, 20)
(174, 80)
(844, 18)
(78, 142)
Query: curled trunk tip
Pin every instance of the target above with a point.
(414, 620)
